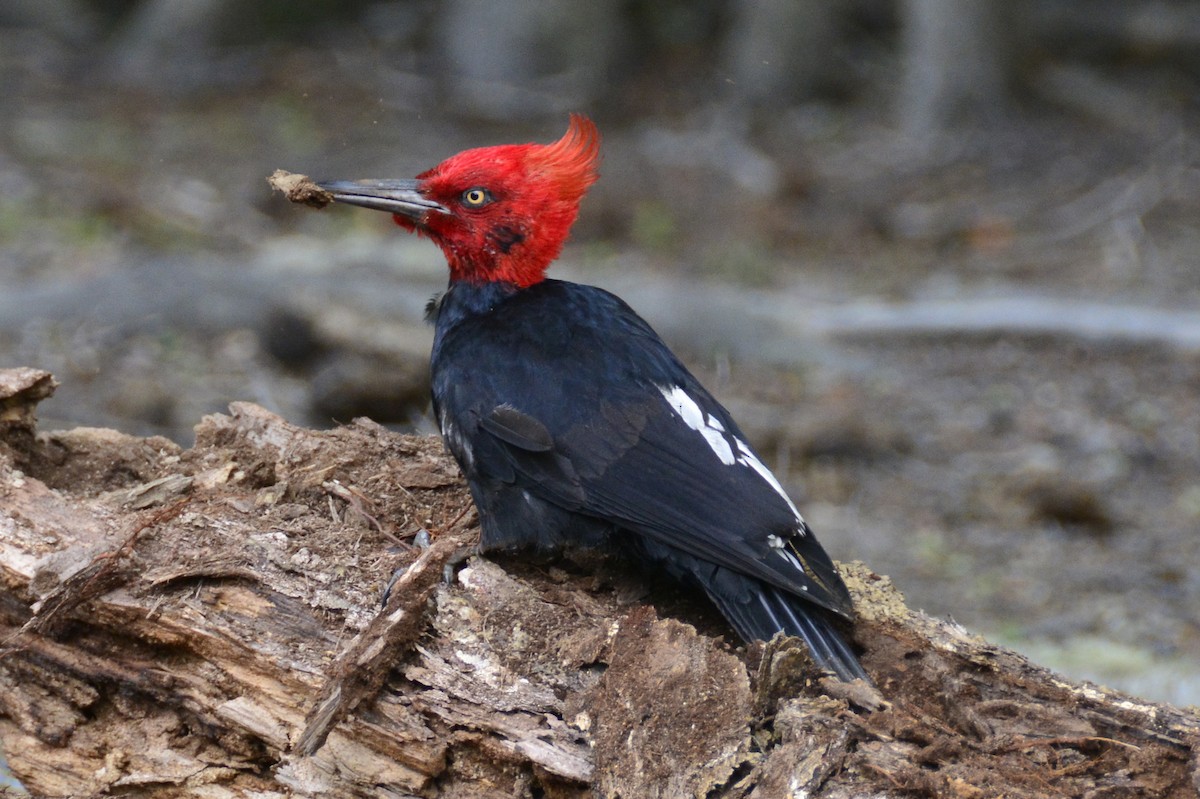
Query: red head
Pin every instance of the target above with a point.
(498, 213)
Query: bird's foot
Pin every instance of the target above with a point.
(421, 541)
(450, 570)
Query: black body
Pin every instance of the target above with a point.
(575, 424)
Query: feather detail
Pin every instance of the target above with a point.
(570, 163)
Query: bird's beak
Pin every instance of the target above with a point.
(401, 197)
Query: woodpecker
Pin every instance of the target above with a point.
(575, 425)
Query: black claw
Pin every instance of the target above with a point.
(387, 589)
(421, 541)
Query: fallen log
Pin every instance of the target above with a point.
(207, 622)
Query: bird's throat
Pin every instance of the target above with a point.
(513, 268)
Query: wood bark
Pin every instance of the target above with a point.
(207, 622)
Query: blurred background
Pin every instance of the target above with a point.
(941, 258)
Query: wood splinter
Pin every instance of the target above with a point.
(299, 188)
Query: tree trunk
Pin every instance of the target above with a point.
(954, 55)
(207, 622)
(779, 51)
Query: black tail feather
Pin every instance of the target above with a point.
(758, 610)
(764, 611)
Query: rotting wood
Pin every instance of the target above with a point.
(245, 608)
(299, 188)
(362, 668)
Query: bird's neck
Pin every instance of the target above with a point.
(465, 298)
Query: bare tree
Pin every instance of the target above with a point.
(504, 58)
(954, 55)
(780, 49)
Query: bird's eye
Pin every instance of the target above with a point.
(476, 198)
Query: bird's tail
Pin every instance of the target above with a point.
(767, 610)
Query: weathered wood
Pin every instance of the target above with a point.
(223, 636)
(361, 670)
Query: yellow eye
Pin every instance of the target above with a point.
(476, 198)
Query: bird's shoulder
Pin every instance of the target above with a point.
(552, 338)
(540, 310)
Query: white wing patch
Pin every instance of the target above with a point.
(779, 545)
(691, 414)
(719, 441)
(747, 457)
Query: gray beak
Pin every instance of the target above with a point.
(394, 196)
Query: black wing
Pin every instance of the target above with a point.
(564, 395)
